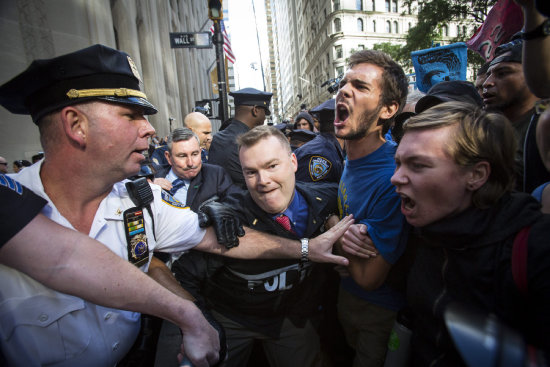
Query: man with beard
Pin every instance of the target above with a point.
(371, 92)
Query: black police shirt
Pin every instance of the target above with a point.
(19, 206)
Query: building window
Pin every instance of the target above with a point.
(360, 24)
(388, 6)
(409, 26)
(338, 51)
(457, 30)
(335, 5)
(395, 27)
(464, 31)
(328, 59)
(337, 25)
(373, 6)
(388, 27)
(394, 6)
(359, 4)
(374, 26)
(339, 71)
(445, 31)
(361, 47)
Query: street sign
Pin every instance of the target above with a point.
(191, 39)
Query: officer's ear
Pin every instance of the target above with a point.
(254, 111)
(75, 125)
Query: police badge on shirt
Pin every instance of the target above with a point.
(319, 167)
(134, 227)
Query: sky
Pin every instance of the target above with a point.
(242, 31)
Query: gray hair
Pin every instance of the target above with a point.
(181, 134)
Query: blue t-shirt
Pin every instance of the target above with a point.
(366, 192)
(537, 193)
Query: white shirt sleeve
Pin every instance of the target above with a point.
(176, 225)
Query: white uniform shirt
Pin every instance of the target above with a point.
(39, 326)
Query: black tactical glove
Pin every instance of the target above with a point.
(225, 221)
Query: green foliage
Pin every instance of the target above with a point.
(396, 52)
(433, 15)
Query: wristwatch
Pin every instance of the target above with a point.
(542, 30)
(305, 249)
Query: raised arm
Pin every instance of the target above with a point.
(261, 245)
(73, 263)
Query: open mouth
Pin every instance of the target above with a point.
(407, 204)
(342, 113)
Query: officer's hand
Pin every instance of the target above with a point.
(202, 341)
(219, 328)
(320, 247)
(164, 183)
(225, 221)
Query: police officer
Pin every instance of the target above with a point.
(251, 108)
(91, 112)
(188, 179)
(276, 302)
(322, 158)
(300, 137)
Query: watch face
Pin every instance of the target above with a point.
(546, 27)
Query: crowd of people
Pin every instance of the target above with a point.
(301, 243)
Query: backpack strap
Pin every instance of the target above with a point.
(519, 260)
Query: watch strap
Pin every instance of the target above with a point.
(305, 249)
(542, 30)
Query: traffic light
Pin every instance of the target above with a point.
(215, 9)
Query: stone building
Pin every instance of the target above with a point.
(173, 78)
(313, 38)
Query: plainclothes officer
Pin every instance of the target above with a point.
(274, 302)
(322, 158)
(251, 108)
(91, 111)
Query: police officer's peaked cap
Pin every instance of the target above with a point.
(302, 135)
(328, 105)
(252, 97)
(325, 111)
(96, 72)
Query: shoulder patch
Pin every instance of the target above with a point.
(11, 184)
(319, 167)
(170, 200)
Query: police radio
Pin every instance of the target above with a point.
(140, 192)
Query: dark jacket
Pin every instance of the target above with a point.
(224, 152)
(259, 294)
(321, 159)
(211, 181)
(467, 259)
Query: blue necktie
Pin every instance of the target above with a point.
(176, 185)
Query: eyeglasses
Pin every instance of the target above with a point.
(541, 106)
(4, 163)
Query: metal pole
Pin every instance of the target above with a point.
(222, 85)
(259, 47)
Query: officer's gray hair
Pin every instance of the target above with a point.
(181, 134)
